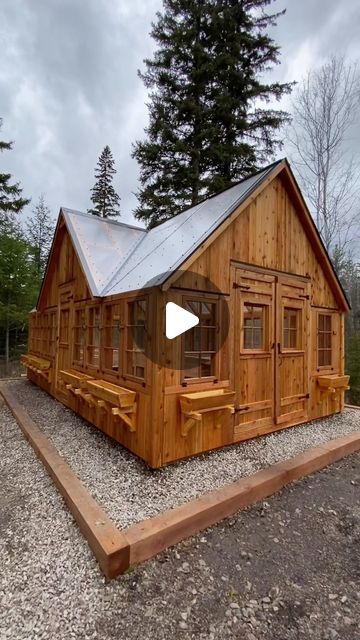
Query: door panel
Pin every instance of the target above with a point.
(291, 360)
(253, 308)
(271, 336)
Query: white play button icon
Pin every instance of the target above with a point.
(178, 320)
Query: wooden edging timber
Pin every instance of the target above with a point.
(108, 543)
(116, 550)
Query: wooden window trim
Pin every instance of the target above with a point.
(88, 346)
(121, 343)
(214, 299)
(125, 350)
(299, 349)
(77, 363)
(266, 306)
(325, 367)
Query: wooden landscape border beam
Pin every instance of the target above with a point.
(107, 542)
(116, 550)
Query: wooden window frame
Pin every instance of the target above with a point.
(330, 366)
(125, 374)
(292, 306)
(77, 309)
(214, 377)
(88, 345)
(108, 327)
(257, 301)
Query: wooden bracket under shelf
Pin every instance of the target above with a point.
(127, 415)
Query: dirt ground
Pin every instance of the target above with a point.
(285, 569)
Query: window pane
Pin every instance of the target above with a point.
(136, 338)
(192, 365)
(254, 321)
(324, 339)
(292, 324)
(200, 341)
(205, 365)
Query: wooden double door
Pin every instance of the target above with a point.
(270, 368)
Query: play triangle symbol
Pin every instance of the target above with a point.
(178, 320)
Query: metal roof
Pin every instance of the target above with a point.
(118, 258)
(101, 245)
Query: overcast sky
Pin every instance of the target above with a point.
(69, 84)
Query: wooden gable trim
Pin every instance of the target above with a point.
(282, 170)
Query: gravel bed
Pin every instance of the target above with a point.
(129, 491)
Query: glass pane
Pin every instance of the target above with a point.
(248, 340)
(286, 338)
(192, 365)
(257, 338)
(254, 317)
(205, 365)
(327, 340)
(293, 340)
(292, 322)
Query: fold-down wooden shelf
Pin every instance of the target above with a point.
(41, 366)
(333, 383)
(75, 382)
(195, 404)
(118, 401)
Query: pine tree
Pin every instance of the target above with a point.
(19, 287)
(207, 128)
(10, 194)
(39, 233)
(103, 195)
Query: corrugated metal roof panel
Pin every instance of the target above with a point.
(117, 258)
(101, 245)
(164, 248)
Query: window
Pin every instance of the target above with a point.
(52, 332)
(136, 338)
(79, 336)
(64, 326)
(111, 340)
(291, 327)
(93, 348)
(324, 340)
(200, 341)
(254, 323)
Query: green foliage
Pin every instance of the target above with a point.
(103, 195)
(10, 194)
(349, 273)
(207, 127)
(39, 233)
(19, 283)
(353, 367)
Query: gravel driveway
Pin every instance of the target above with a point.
(129, 491)
(284, 569)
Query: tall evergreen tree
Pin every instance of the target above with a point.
(207, 128)
(103, 195)
(39, 233)
(19, 288)
(11, 200)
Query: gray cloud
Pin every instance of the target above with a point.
(69, 85)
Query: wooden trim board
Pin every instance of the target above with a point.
(108, 543)
(116, 550)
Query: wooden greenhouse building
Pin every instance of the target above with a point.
(267, 353)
